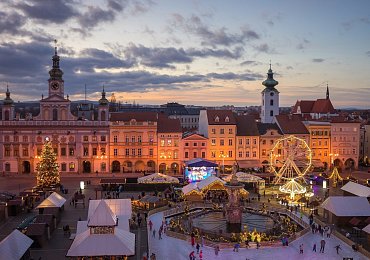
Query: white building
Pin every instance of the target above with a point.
(270, 99)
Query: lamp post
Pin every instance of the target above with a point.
(223, 156)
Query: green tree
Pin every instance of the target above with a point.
(48, 168)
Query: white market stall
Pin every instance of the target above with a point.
(157, 178)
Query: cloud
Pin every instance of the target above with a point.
(95, 15)
(250, 63)
(54, 11)
(11, 23)
(264, 47)
(303, 44)
(368, 53)
(289, 68)
(212, 37)
(234, 76)
(318, 60)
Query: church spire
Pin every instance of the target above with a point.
(327, 91)
(8, 100)
(55, 73)
(270, 82)
(103, 101)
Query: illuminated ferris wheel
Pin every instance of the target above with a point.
(290, 158)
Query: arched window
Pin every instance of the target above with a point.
(271, 113)
(55, 114)
(271, 102)
(7, 115)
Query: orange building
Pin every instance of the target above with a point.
(194, 146)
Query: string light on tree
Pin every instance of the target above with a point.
(48, 168)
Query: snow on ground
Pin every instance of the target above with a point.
(171, 248)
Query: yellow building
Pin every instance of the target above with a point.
(219, 126)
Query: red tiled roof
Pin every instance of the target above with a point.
(167, 125)
(138, 116)
(323, 106)
(305, 106)
(246, 126)
(225, 117)
(291, 124)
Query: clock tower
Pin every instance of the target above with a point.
(270, 99)
(56, 82)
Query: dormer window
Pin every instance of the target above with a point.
(227, 119)
(217, 119)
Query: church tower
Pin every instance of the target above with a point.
(270, 99)
(103, 109)
(8, 107)
(56, 82)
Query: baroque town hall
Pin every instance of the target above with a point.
(143, 142)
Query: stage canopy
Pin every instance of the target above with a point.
(157, 178)
(198, 162)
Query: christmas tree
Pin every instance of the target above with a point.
(47, 169)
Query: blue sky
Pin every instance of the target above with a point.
(192, 52)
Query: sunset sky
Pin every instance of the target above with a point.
(192, 52)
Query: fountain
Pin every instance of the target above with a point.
(233, 208)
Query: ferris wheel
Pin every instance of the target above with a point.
(290, 158)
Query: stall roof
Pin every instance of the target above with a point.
(14, 245)
(119, 243)
(189, 188)
(366, 229)
(158, 178)
(54, 200)
(102, 216)
(211, 179)
(356, 189)
(244, 177)
(199, 162)
(113, 181)
(347, 206)
(150, 199)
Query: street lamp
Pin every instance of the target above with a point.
(223, 156)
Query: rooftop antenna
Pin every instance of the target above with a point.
(85, 92)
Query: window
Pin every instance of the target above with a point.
(94, 138)
(103, 138)
(247, 141)
(139, 151)
(127, 152)
(115, 151)
(213, 131)
(115, 139)
(217, 119)
(271, 113)
(247, 154)
(7, 151)
(176, 143)
(195, 154)
(71, 151)
(139, 139)
(222, 142)
(186, 144)
(71, 167)
(230, 153)
(263, 152)
(25, 151)
(240, 141)
(195, 144)
(151, 139)
(271, 142)
(240, 154)
(25, 139)
(175, 154)
(213, 154)
(271, 102)
(86, 151)
(254, 154)
(16, 138)
(254, 141)
(63, 152)
(95, 151)
(186, 154)
(102, 151)
(16, 151)
(133, 139)
(64, 167)
(7, 167)
(133, 152)
(230, 131)
(103, 167)
(354, 151)
(230, 142)
(85, 138)
(162, 142)
(203, 154)
(203, 144)
(222, 131)
(169, 142)
(263, 141)
(227, 119)
(213, 141)
(127, 139)
(151, 152)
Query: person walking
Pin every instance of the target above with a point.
(192, 239)
(301, 249)
(154, 232)
(322, 246)
(337, 247)
(150, 225)
(192, 255)
(201, 255)
(328, 234)
(160, 234)
(314, 247)
(217, 249)
(236, 247)
(197, 247)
